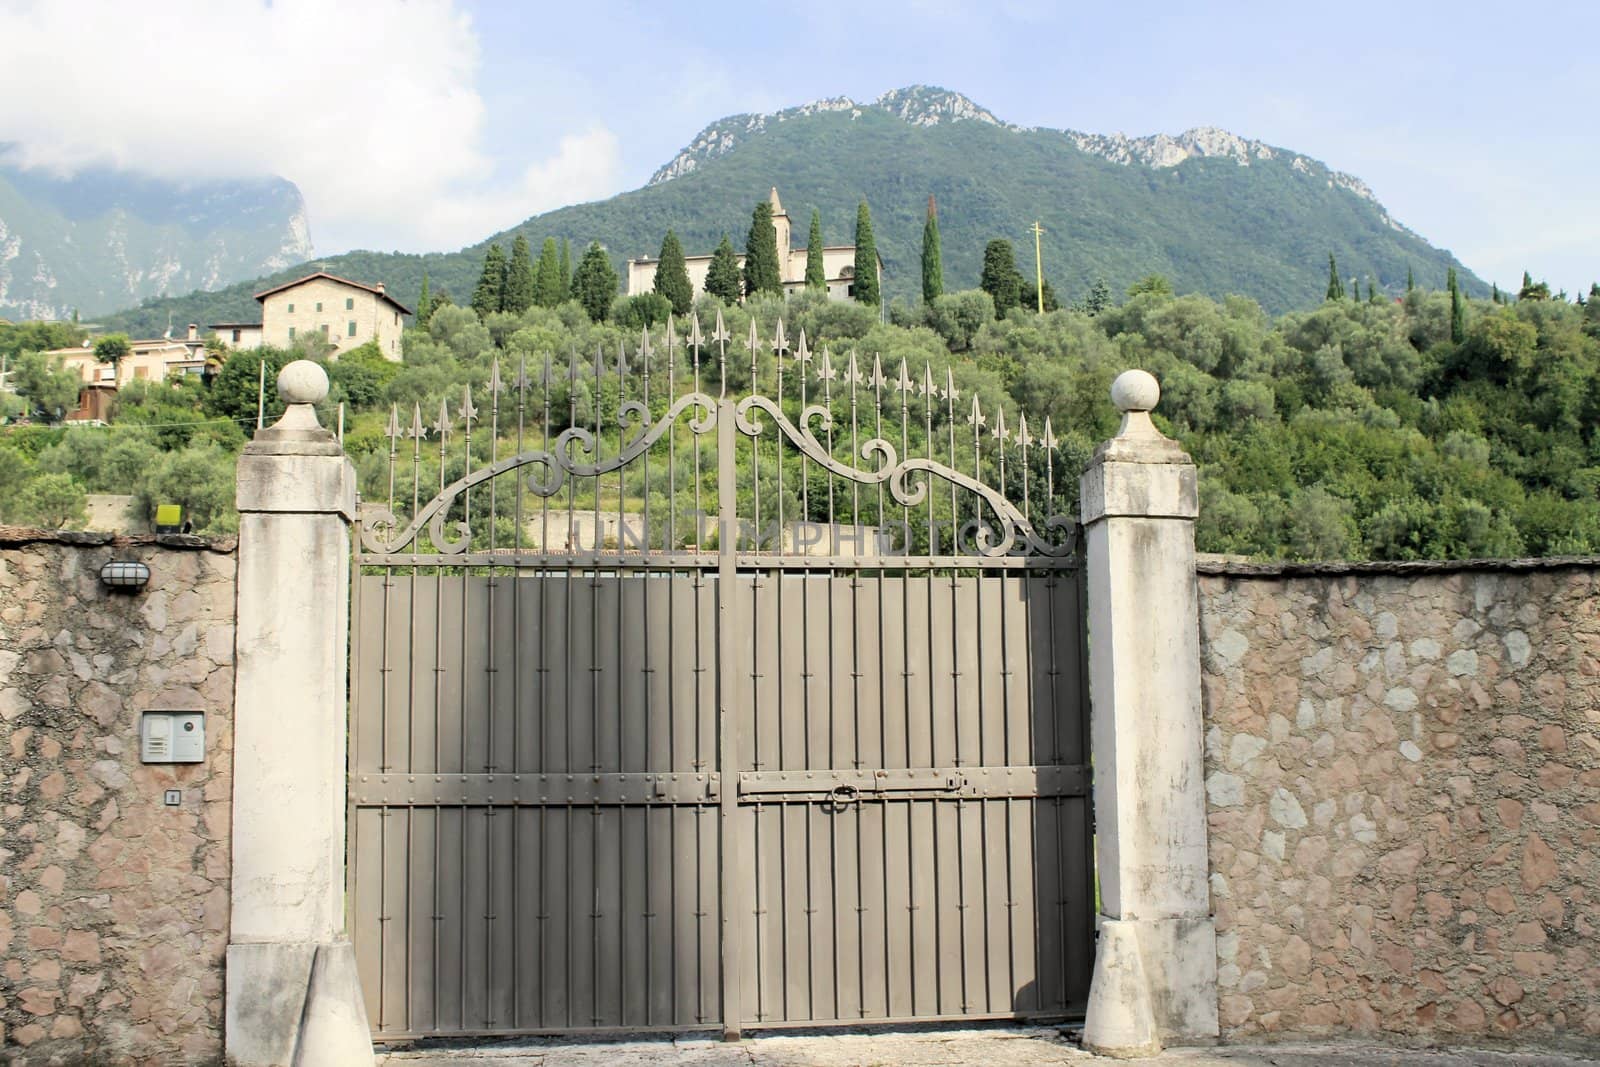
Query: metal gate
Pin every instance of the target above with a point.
(692, 712)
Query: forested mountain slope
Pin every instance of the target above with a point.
(1213, 212)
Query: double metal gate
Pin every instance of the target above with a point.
(686, 721)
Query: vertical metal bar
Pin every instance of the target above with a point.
(569, 817)
(780, 345)
(731, 971)
(617, 579)
(594, 701)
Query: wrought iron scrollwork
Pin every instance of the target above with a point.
(559, 463)
(842, 424)
(907, 481)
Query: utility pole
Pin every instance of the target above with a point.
(1038, 263)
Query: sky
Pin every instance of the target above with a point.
(423, 125)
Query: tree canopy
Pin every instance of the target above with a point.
(761, 274)
(672, 275)
(865, 280)
(723, 280)
(594, 285)
(1001, 279)
(816, 271)
(489, 296)
(932, 258)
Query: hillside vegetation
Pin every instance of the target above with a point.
(1354, 430)
(1260, 221)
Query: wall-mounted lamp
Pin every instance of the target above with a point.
(127, 575)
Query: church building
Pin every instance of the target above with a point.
(838, 264)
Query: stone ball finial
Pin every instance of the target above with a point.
(304, 382)
(1135, 390)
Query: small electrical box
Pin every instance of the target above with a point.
(172, 737)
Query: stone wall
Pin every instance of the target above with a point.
(1403, 782)
(113, 906)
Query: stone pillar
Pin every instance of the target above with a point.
(1155, 974)
(293, 997)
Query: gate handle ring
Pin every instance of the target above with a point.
(843, 796)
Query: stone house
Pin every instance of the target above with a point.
(347, 313)
(838, 263)
(153, 360)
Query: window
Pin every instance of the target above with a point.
(141, 372)
(319, 305)
(291, 333)
(291, 309)
(235, 336)
(349, 303)
(352, 329)
(324, 329)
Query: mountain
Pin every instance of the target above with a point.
(1214, 212)
(102, 239)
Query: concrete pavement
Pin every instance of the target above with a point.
(997, 1047)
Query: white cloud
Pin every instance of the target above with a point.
(370, 106)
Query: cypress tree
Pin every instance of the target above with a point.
(424, 303)
(547, 276)
(490, 293)
(1335, 283)
(566, 270)
(761, 253)
(932, 261)
(866, 266)
(1411, 281)
(1001, 279)
(1099, 297)
(672, 276)
(1373, 296)
(595, 283)
(518, 295)
(722, 277)
(1458, 309)
(816, 274)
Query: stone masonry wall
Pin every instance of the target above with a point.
(113, 906)
(1403, 782)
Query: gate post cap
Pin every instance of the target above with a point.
(1135, 390)
(302, 382)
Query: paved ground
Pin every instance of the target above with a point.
(944, 1048)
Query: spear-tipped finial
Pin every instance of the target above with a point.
(547, 377)
(496, 386)
(753, 342)
(442, 427)
(622, 362)
(852, 373)
(951, 393)
(468, 412)
(780, 341)
(976, 418)
(671, 339)
(696, 340)
(877, 381)
(417, 431)
(645, 349)
(1024, 438)
(903, 383)
(1048, 441)
(1000, 433)
(393, 432)
(719, 332)
(928, 388)
(802, 351)
(825, 371)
